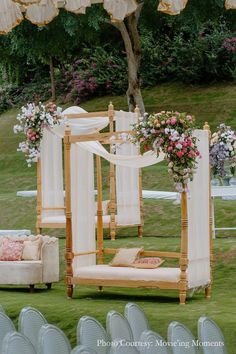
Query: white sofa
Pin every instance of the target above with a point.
(31, 272)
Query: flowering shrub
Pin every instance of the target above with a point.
(222, 149)
(170, 132)
(32, 120)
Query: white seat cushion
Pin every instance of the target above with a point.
(55, 219)
(21, 272)
(127, 273)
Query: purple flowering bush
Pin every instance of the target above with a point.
(98, 72)
(223, 151)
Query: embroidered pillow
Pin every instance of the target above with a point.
(31, 250)
(125, 257)
(11, 250)
(148, 262)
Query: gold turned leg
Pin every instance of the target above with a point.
(182, 297)
(69, 291)
(113, 234)
(208, 292)
(140, 231)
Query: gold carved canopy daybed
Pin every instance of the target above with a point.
(50, 183)
(85, 254)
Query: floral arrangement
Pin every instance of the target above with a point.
(222, 150)
(32, 119)
(170, 132)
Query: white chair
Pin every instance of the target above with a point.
(137, 319)
(6, 326)
(91, 334)
(82, 349)
(118, 327)
(153, 343)
(17, 343)
(208, 331)
(2, 309)
(52, 340)
(178, 333)
(29, 323)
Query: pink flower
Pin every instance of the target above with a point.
(179, 153)
(32, 138)
(168, 121)
(173, 121)
(189, 118)
(170, 148)
(161, 141)
(191, 154)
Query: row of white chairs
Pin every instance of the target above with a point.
(124, 334)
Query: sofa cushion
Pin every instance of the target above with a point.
(125, 257)
(125, 273)
(23, 272)
(31, 250)
(11, 250)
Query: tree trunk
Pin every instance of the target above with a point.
(131, 40)
(52, 77)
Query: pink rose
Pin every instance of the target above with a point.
(168, 121)
(173, 121)
(179, 153)
(32, 138)
(189, 118)
(170, 148)
(191, 154)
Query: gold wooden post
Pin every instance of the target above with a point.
(184, 249)
(140, 227)
(112, 205)
(39, 198)
(99, 211)
(69, 254)
(209, 288)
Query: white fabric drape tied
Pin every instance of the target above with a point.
(10, 16)
(230, 4)
(172, 7)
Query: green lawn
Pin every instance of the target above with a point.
(215, 104)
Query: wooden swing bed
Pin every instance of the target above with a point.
(104, 275)
(112, 206)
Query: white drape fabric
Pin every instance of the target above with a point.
(77, 6)
(42, 13)
(198, 218)
(140, 161)
(127, 179)
(172, 7)
(51, 161)
(230, 4)
(82, 205)
(52, 174)
(119, 9)
(10, 16)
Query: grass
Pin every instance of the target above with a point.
(214, 104)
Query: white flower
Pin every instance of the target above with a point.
(178, 146)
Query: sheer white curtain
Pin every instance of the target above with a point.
(82, 205)
(127, 179)
(198, 218)
(51, 174)
(51, 160)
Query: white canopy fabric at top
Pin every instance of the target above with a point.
(41, 12)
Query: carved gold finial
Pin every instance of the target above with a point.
(111, 107)
(207, 127)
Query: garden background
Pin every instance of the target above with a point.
(188, 64)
